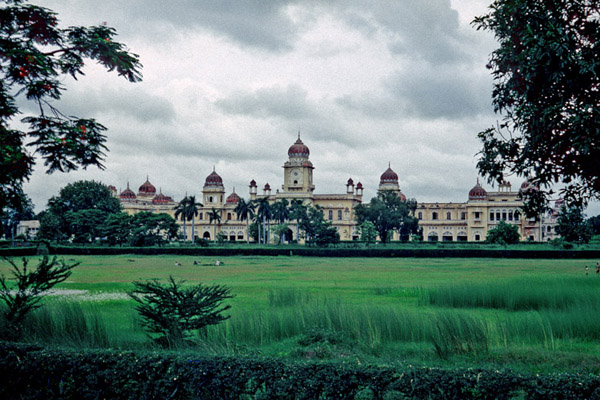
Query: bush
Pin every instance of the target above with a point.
(173, 312)
(90, 374)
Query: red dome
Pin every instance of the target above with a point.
(161, 199)
(233, 198)
(298, 149)
(147, 188)
(252, 183)
(127, 194)
(359, 185)
(267, 187)
(477, 193)
(388, 176)
(350, 182)
(213, 180)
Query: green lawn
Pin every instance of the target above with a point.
(530, 314)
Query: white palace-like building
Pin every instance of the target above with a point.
(468, 221)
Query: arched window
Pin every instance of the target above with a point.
(200, 215)
(510, 215)
(228, 216)
(448, 215)
(463, 215)
(340, 215)
(491, 215)
(432, 237)
(330, 215)
(503, 215)
(420, 215)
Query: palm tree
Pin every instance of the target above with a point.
(193, 211)
(245, 211)
(181, 211)
(214, 215)
(297, 212)
(281, 213)
(264, 214)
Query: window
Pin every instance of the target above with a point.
(477, 215)
(510, 215)
(463, 215)
(340, 215)
(434, 216)
(228, 216)
(491, 215)
(200, 215)
(477, 237)
(498, 215)
(504, 215)
(330, 215)
(420, 215)
(517, 215)
(448, 215)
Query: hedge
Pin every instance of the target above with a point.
(308, 252)
(33, 372)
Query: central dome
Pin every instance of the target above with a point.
(298, 149)
(389, 176)
(147, 188)
(213, 179)
(477, 192)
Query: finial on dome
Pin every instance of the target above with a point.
(214, 168)
(389, 164)
(234, 189)
(127, 184)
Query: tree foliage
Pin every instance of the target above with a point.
(150, 229)
(78, 212)
(388, 213)
(25, 294)
(173, 312)
(572, 225)
(547, 89)
(35, 58)
(504, 233)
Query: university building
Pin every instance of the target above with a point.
(469, 221)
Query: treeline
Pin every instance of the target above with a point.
(35, 372)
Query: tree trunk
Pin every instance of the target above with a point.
(247, 232)
(193, 239)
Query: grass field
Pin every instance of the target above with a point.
(540, 315)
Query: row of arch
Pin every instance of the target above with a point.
(447, 237)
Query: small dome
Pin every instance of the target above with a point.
(112, 189)
(267, 187)
(298, 149)
(389, 176)
(477, 192)
(402, 196)
(528, 186)
(213, 179)
(252, 183)
(233, 198)
(161, 199)
(350, 182)
(127, 194)
(147, 188)
(359, 185)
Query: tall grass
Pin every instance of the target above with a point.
(517, 295)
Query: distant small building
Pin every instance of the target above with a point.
(29, 228)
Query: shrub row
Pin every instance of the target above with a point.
(30, 372)
(310, 252)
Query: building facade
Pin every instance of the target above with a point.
(468, 221)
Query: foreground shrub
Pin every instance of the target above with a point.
(30, 372)
(24, 296)
(173, 312)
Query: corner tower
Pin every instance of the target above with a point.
(298, 170)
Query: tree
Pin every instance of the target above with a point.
(546, 88)
(24, 296)
(264, 214)
(245, 211)
(117, 228)
(504, 234)
(297, 212)
(173, 312)
(595, 224)
(192, 211)
(214, 215)
(11, 216)
(149, 229)
(388, 212)
(572, 225)
(181, 213)
(368, 233)
(35, 58)
(66, 214)
(281, 213)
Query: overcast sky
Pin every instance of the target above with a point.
(230, 83)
